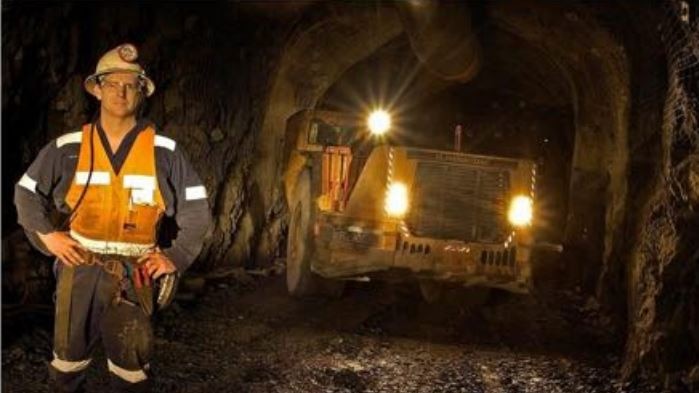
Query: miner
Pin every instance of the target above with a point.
(114, 179)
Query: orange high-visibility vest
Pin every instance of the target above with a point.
(119, 212)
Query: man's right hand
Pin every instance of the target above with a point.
(64, 247)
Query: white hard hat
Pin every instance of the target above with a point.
(120, 59)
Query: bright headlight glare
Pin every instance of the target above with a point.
(397, 200)
(521, 211)
(379, 122)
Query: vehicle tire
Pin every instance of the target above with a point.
(300, 279)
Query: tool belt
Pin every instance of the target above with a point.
(134, 279)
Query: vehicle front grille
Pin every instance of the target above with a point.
(459, 202)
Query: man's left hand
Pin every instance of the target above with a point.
(157, 264)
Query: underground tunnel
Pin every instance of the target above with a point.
(343, 259)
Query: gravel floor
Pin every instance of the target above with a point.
(244, 334)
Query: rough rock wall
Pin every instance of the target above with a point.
(664, 275)
(647, 87)
(215, 95)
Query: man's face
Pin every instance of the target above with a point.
(120, 93)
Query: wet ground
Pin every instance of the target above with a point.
(244, 334)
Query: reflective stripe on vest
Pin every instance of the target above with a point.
(110, 247)
(119, 212)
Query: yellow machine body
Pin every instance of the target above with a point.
(455, 228)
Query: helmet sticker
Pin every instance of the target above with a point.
(128, 53)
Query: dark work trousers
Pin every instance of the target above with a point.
(124, 329)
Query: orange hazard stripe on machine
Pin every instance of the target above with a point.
(335, 175)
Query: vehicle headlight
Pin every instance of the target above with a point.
(520, 213)
(379, 122)
(397, 200)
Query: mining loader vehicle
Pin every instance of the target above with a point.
(362, 208)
